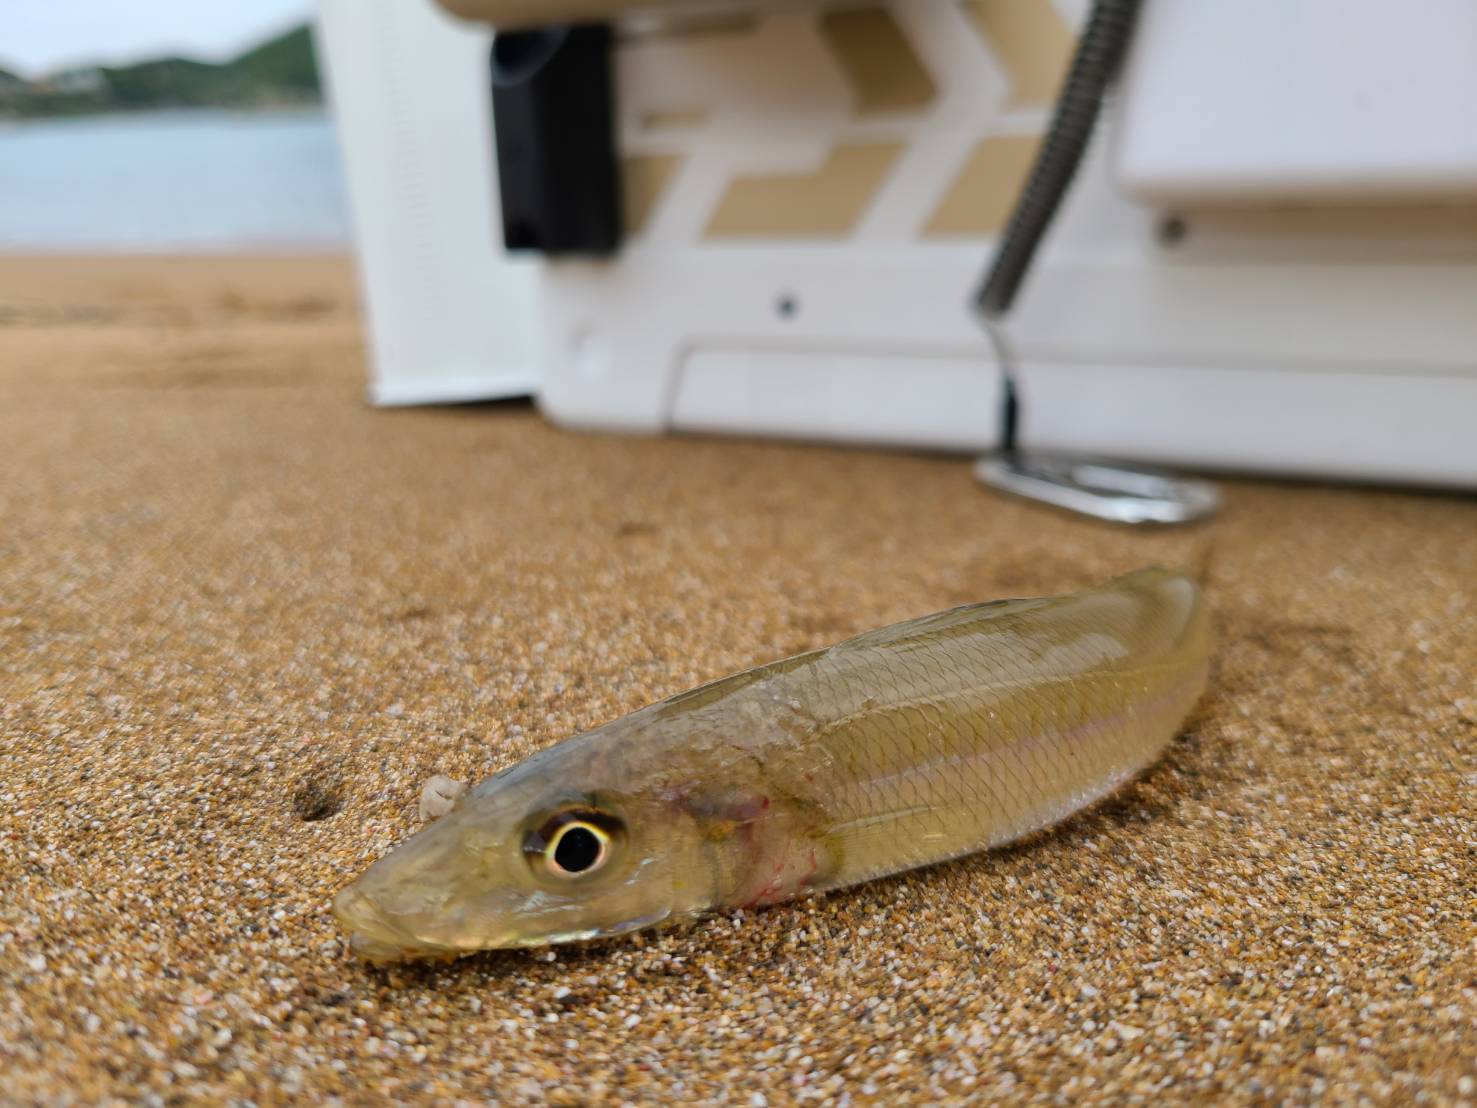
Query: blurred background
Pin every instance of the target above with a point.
(165, 125)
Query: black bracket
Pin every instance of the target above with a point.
(553, 111)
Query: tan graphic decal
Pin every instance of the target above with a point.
(983, 194)
(1030, 39)
(673, 119)
(885, 73)
(827, 202)
(644, 178)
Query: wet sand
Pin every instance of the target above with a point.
(244, 617)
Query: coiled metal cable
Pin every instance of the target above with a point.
(1100, 51)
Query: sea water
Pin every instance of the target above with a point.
(201, 180)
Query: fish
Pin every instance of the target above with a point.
(901, 747)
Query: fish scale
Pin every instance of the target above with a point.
(999, 719)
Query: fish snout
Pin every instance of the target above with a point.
(385, 928)
(361, 914)
(372, 933)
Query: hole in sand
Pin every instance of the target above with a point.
(316, 798)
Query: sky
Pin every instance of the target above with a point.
(37, 36)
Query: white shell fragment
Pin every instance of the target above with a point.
(440, 796)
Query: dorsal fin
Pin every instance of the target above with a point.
(940, 623)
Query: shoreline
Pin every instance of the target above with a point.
(319, 107)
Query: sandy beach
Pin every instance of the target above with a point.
(244, 617)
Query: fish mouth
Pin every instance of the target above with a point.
(383, 952)
(377, 937)
(609, 931)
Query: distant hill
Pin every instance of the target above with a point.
(286, 62)
(279, 72)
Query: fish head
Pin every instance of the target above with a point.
(523, 860)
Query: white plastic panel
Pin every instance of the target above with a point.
(1262, 100)
(1397, 427)
(841, 395)
(449, 312)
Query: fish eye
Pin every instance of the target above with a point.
(572, 844)
(576, 849)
